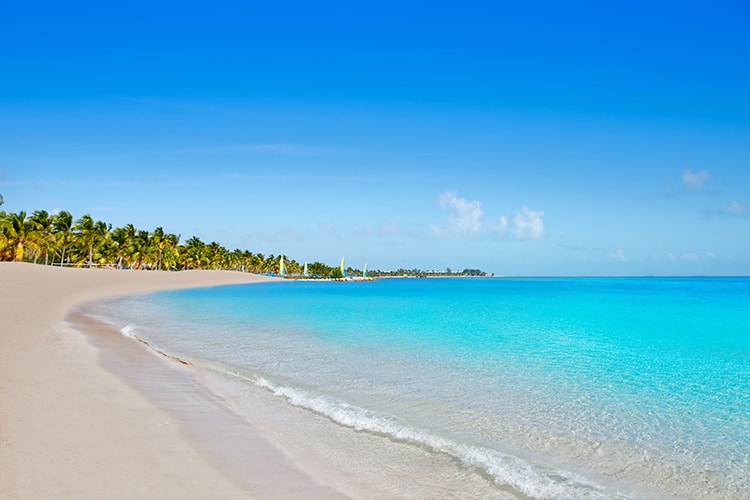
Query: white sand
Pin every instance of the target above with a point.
(71, 429)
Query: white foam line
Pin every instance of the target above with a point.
(128, 330)
(505, 469)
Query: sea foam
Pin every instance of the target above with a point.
(128, 330)
(503, 468)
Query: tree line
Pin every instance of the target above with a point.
(60, 240)
(419, 273)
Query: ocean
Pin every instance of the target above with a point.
(530, 387)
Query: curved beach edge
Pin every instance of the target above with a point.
(71, 428)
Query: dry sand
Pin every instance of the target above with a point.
(69, 428)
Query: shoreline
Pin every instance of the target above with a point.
(71, 426)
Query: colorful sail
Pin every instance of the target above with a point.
(304, 271)
(281, 266)
(364, 271)
(343, 271)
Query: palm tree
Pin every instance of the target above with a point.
(118, 240)
(87, 242)
(127, 236)
(257, 262)
(193, 253)
(4, 234)
(138, 249)
(237, 260)
(270, 265)
(250, 261)
(162, 244)
(90, 234)
(62, 224)
(293, 267)
(21, 234)
(43, 222)
(171, 254)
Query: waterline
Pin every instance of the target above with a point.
(544, 386)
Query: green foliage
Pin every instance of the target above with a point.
(60, 240)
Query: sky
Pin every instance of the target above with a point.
(521, 138)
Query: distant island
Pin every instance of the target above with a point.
(61, 240)
(419, 273)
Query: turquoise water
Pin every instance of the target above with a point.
(548, 387)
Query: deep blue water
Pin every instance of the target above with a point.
(552, 387)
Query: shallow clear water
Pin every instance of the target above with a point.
(549, 387)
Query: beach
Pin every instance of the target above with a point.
(71, 428)
(456, 388)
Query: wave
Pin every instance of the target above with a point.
(504, 469)
(128, 331)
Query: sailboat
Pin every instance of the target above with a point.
(282, 272)
(364, 271)
(304, 271)
(343, 271)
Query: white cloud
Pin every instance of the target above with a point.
(694, 181)
(691, 256)
(528, 224)
(465, 217)
(619, 255)
(502, 224)
(737, 208)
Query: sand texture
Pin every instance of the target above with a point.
(69, 428)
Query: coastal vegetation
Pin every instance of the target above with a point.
(61, 240)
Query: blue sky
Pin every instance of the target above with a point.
(522, 138)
